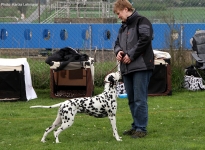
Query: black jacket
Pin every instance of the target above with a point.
(135, 39)
(65, 56)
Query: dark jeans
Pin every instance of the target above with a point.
(136, 85)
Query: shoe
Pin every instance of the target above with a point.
(129, 132)
(139, 134)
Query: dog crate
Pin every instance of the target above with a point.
(75, 80)
(160, 81)
(15, 81)
(12, 87)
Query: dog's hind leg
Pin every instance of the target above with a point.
(56, 123)
(67, 122)
(114, 127)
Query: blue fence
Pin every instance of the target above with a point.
(85, 36)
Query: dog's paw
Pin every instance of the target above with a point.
(57, 142)
(119, 139)
(43, 141)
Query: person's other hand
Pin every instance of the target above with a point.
(120, 55)
(126, 59)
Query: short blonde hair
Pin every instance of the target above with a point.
(122, 4)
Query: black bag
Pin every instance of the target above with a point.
(192, 79)
(191, 71)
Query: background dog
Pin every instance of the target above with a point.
(102, 105)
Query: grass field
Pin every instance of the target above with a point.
(179, 14)
(175, 123)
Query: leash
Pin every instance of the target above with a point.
(111, 71)
(113, 68)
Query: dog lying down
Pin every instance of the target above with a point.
(102, 105)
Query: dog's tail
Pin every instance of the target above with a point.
(41, 106)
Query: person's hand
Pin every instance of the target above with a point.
(120, 55)
(126, 59)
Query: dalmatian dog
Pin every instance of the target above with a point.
(102, 105)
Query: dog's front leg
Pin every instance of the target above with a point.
(114, 127)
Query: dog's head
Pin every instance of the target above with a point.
(112, 78)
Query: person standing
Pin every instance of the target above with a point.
(133, 48)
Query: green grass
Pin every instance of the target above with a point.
(175, 123)
(180, 14)
(13, 12)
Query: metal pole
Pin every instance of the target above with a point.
(39, 19)
(182, 28)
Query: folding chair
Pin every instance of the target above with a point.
(198, 46)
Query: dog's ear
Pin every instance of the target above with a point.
(111, 78)
(112, 81)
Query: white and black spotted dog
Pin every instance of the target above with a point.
(102, 105)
